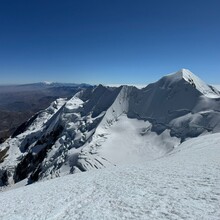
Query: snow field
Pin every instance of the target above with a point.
(184, 184)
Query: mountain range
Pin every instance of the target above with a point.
(105, 126)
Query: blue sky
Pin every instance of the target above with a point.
(108, 41)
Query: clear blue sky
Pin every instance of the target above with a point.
(108, 41)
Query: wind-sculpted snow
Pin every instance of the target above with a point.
(184, 184)
(110, 126)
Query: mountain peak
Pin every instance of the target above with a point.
(183, 73)
(183, 70)
(187, 74)
(196, 82)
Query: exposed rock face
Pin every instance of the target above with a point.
(105, 126)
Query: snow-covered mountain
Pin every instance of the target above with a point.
(108, 126)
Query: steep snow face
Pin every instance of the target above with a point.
(205, 89)
(106, 126)
(185, 184)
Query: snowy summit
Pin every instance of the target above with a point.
(189, 77)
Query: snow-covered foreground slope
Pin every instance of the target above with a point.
(184, 184)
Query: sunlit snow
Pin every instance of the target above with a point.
(184, 184)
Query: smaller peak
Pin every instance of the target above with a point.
(100, 85)
(105, 87)
(100, 88)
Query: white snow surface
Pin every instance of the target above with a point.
(126, 141)
(184, 184)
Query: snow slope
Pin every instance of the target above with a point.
(184, 184)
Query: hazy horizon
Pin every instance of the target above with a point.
(117, 84)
